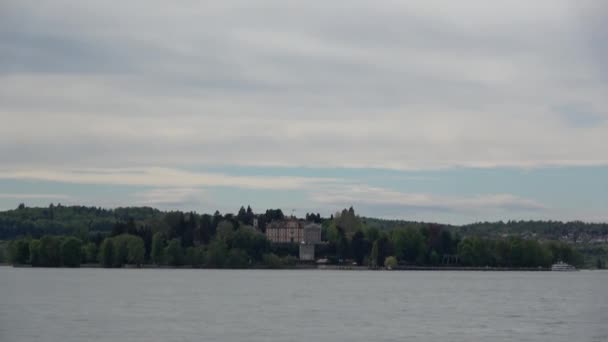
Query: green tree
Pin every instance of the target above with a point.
(225, 230)
(70, 252)
(348, 221)
(342, 247)
(158, 248)
(380, 250)
(18, 252)
(106, 253)
(216, 255)
(35, 257)
(174, 253)
(390, 262)
(359, 247)
(375, 254)
(434, 258)
(90, 252)
(3, 252)
(50, 251)
(195, 256)
(272, 260)
(252, 242)
(372, 234)
(121, 249)
(237, 258)
(136, 251)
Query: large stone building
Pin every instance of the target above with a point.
(292, 230)
(312, 233)
(285, 231)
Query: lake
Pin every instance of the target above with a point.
(69, 305)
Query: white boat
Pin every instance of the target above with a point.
(562, 266)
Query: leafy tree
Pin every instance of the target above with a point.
(158, 248)
(19, 252)
(342, 248)
(217, 253)
(136, 251)
(242, 215)
(121, 249)
(237, 258)
(348, 221)
(250, 216)
(380, 250)
(390, 262)
(466, 252)
(90, 252)
(409, 245)
(3, 252)
(446, 245)
(359, 247)
(70, 252)
(190, 226)
(274, 214)
(206, 230)
(375, 254)
(195, 256)
(434, 258)
(225, 230)
(106, 252)
(250, 241)
(50, 251)
(372, 234)
(35, 257)
(174, 253)
(272, 260)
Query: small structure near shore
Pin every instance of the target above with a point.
(312, 236)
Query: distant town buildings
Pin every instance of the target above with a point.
(288, 230)
(292, 230)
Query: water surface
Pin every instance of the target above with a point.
(70, 305)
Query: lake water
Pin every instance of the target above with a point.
(69, 305)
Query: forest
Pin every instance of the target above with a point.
(71, 236)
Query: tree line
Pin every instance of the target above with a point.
(146, 236)
(436, 245)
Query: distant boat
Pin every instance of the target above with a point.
(562, 266)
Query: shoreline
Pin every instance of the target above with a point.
(312, 267)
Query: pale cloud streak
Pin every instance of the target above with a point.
(25, 196)
(162, 177)
(375, 196)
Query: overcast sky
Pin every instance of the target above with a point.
(449, 111)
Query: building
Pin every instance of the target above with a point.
(289, 230)
(307, 252)
(312, 233)
(292, 230)
(312, 237)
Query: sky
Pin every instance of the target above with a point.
(443, 111)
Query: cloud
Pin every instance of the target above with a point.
(170, 197)
(417, 85)
(23, 196)
(179, 180)
(580, 116)
(367, 196)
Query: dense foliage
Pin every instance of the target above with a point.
(70, 236)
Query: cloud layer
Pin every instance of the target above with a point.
(349, 84)
(131, 95)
